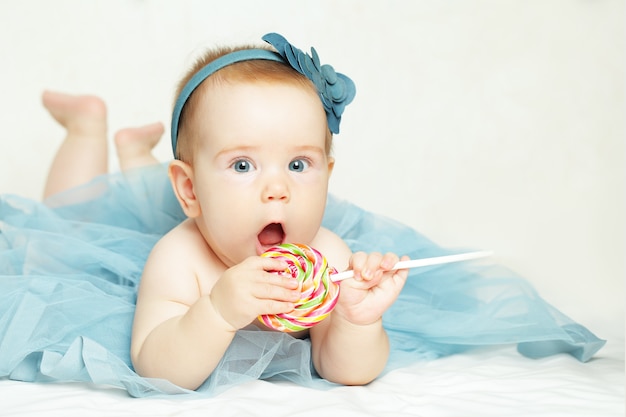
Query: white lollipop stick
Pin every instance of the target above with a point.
(415, 263)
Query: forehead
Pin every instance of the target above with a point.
(243, 110)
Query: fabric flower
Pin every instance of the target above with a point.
(336, 90)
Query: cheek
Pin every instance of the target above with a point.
(221, 207)
(218, 201)
(312, 199)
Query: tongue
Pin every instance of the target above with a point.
(272, 235)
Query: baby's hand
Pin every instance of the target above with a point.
(252, 288)
(365, 298)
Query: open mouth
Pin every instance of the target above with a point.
(271, 235)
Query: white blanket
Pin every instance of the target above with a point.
(487, 382)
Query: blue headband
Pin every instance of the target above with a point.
(334, 89)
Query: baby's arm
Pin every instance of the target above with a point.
(351, 347)
(182, 328)
(177, 334)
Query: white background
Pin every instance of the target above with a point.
(488, 124)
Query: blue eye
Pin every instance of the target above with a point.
(242, 165)
(298, 165)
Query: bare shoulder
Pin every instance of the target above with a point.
(179, 240)
(333, 247)
(178, 265)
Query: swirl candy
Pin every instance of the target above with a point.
(319, 292)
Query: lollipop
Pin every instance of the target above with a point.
(319, 293)
(318, 283)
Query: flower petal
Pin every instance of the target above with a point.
(337, 91)
(316, 58)
(307, 65)
(329, 74)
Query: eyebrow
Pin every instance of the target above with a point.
(245, 148)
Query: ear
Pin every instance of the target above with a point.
(182, 179)
(331, 165)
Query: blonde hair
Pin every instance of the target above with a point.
(243, 71)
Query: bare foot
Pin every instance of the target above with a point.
(82, 116)
(83, 155)
(134, 145)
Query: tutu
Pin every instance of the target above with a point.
(69, 271)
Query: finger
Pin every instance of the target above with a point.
(271, 291)
(357, 260)
(389, 261)
(282, 280)
(371, 268)
(273, 264)
(357, 263)
(385, 270)
(276, 307)
(364, 265)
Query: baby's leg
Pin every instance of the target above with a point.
(134, 145)
(83, 155)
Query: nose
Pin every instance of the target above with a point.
(275, 189)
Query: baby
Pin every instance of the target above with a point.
(252, 132)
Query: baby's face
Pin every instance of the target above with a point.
(261, 170)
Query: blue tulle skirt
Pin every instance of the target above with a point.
(69, 271)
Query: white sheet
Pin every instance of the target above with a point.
(486, 382)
